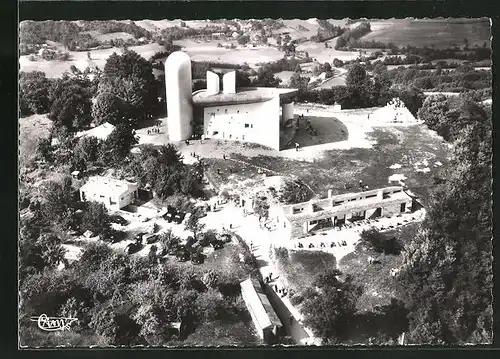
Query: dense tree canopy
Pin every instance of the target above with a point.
(129, 77)
(109, 108)
(71, 103)
(164, 172)
(34, 93)
(119, 143)
(447, 276)
(95, 218)
(330, 305)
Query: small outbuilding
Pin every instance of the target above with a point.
(113, 193)
(265, 319)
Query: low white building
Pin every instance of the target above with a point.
(100, 132)
(113, 193)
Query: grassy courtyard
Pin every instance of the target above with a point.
(301, 267)
(378, 285)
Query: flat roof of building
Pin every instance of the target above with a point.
(328, 207)
(101, 132)
(259, 304)
(108, 185)
(243, 95)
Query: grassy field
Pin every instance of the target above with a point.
(224, 261)
(331, 130)
(378, 285)
(208, 51)
(284, 76)
(318, 51)
(31, 129)
(302, 267)
(438, 33)
(334, 81)
(406, 146)
(79, 59)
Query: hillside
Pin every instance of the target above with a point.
(438, 33)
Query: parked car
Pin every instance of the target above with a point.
(197, 258)
(138, 236)
(217, 244)
(116, 236)
(132, 248)
(182, 255)
(179, 217)
(118, 219)
(150, 238)
(169, 217)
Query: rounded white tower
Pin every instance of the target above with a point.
(179, 96)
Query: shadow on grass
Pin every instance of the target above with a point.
(383, 325)
(315, 131)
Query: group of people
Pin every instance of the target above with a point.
(268, 278)
(155, 130)
(322, 245)
(282, 291)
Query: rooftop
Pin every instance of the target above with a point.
(101, 132)
(242, 95)
(351, 202)
(259, 304)
(109, 185)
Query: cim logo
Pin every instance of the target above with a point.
(52, 324)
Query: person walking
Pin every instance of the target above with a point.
(296, 147)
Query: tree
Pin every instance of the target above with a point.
(95, 218)
(86, 151)
(119, 143)
(447, 271)
(59, 198)
(434, 113)
(109, 108)
(130, 77)
(412, 97)
(193, 223)
(169, 242)
(261, 207)
(168, 44)
(44, 150)
(328, 309)
(52, 252)
(356, 77)
(266, 78)
(92, 257)
(299, 82)
(71, 103)
(362, 91)
(242, 79)
(295, 192)
(243, 39)
(34, 93)
(210, 279)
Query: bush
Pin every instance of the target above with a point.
(296, 299)
(281, 254)
(380, 243)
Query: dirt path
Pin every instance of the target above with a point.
(260, 241)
